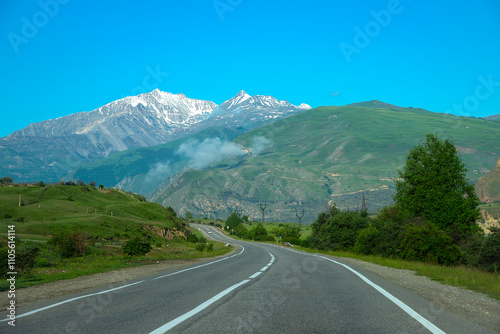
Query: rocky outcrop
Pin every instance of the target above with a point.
(488, 186)
(488, 220)
(166, 233)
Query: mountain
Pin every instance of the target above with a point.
(250, 112)
(49, 150)
(142, 169)
(488, 186)
(493, 117)
(323, 156)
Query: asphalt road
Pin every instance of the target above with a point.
(261, 288)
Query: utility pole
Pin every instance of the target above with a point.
(239, 211)
(262, 208)
(299, 215)
(363, 204)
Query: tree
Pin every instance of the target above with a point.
(233, 221)
(7, 180)
(335, 230)
(189, 215)
(433, 185)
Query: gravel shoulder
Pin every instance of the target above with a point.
(479, 307)
(472, 305)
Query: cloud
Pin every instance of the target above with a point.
(159, 173)
(259, 143)
(336, 93)
(208, 152)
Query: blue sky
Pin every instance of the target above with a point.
(59, 57)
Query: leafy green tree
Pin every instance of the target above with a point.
(189, 215)
(433, 185)
(259, 233)
(233, 221)
(337, 230)
(7, 180)
(241, 231)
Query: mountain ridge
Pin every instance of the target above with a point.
(323, 156)
(49, 150)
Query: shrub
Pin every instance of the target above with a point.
(136, 247)
(200, 247)
(4, 261)
(367, 240)
(335, 230)
(192, 238)
(25, 256)
(489, 255)
(69, 244)
(210, 247)
(427, 243)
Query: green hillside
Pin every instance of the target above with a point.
(327, 155)
(66, 231)
(107, 214)
(128, 169)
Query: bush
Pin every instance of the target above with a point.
(69, 244)
(200, 247)
(192, 238)
(367, 240)
(335, 230)
(25, 256)
(427, 243)
(210, 247)
(4, 261)
(489, 255)
(136, 247)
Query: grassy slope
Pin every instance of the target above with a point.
(108, 217)
(328, 154)
(133, 164)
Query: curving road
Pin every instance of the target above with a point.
(261, 288)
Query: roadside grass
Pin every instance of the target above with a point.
(108, 258)
(459, 276)
(105, 218)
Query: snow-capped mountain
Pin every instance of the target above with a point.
(141, 120)
(253, 111)
(48, 150)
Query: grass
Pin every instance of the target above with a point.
(329, 154)
(106, 218)
(459, 276)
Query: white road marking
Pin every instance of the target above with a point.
(121, 287)
(256, 274)
(426, 323)
(169, 325)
